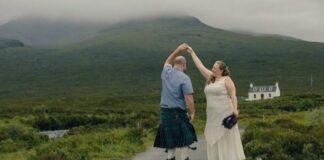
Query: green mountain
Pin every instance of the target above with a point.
(38, 32)
(127, 58)
(7, 43)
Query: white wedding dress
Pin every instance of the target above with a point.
(222, 143)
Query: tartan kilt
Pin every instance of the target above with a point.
(175, 130)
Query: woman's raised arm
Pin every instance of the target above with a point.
(203, 70)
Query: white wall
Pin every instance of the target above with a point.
(265, 95)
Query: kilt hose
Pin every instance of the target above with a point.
(175, 130)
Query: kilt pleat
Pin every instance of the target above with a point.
(175, 130)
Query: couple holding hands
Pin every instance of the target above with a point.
(178, 111)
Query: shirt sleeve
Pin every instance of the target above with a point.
(166, 68)
(187, 86)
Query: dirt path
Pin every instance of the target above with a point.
(159, 154)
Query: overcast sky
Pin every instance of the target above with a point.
(302, 19)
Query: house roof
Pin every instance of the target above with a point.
(269, 88)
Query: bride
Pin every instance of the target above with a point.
(220, 92)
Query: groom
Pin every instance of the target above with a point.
(177, 107)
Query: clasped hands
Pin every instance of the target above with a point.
(185, 47)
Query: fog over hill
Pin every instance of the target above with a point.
(301, 19)
(40, 32)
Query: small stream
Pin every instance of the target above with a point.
(54, 133)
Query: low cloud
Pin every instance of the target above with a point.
(301, 19)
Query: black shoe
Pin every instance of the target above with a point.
(187, 158)
(192, 148)
(172, 158)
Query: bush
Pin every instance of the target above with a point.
(288, 108)
(308, 151)
(286, 123)
(282, 139)
(60, 154)
(316, 117)
(111, 144)
(17, 136)
(307, 104)
(9, 145)
(267, 107)
(135, 135)
(113, 120)
(45, 122)
(63, 149)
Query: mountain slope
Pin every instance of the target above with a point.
(37, 32)
(126, 59)
(7, 43)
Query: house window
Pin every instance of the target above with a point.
(254, 96)
(270, 95)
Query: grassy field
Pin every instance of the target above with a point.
(119, 127)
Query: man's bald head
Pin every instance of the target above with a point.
(180, 60)
(181, 63)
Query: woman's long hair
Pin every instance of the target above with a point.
(223, 67)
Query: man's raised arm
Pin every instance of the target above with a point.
(175, 53)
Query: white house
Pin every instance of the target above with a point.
(263, 92)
